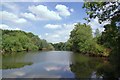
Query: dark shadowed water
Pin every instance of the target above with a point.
(49, 64)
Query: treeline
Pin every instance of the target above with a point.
(107, 43)
(16, 40)
(81, 40)
(61, 46)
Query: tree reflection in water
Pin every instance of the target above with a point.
(14, 60)
(91, 67)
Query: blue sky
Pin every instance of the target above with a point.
(52, 21)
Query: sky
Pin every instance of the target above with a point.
(52, 21)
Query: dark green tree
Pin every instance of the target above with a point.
(15, 40)
(81, 38)
(108, 11)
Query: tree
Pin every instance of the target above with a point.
(97, 33)
(15, 40)
(97, 36)
(68, 45)
(108, 11)
(105, 11)
(0, 40)
(81, 38)
(60, 46)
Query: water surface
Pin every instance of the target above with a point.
(49, 64)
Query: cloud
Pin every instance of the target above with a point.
(55, 36)
(95, 25)
(29, 16)
(11, 6)
(46, 34)
(63, 10)
(67, 28)
(60, 35)
(52, 26)
(72, 10)
(6, 27)
(40, 36)
(55, 68)
(4, 15)
(43, 13)
(18, 73)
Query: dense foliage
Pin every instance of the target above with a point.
(84, 42)
(0, 39)
(104, 11)
(62, 46)
(81, 40)
(81, 37)
(15, 40)
(110, 38)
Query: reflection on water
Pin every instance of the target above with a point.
(85, 67)
(51, 64)
(91, 67)
(44, 64)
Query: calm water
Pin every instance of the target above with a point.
(49, 64)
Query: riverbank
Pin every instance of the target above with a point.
(24, 51)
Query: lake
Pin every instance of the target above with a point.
(49, 64)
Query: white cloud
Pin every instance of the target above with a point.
(46, 34)
(43, 13)
(40, 36)
(4, 15)
(50, 68)
(6, 27)
(60, 35)
(18, 73)
(65, 31)
(29, 16)
(52, 26)
(72, 10)
(12, 6)
(63, 10)
(95, 25)
(55, 36)
(20, 20)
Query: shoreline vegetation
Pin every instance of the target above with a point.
(82, 41)
(17, 41)
(79, 41)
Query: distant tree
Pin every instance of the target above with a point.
(97, 33)
(68, 45)
(97, 36)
